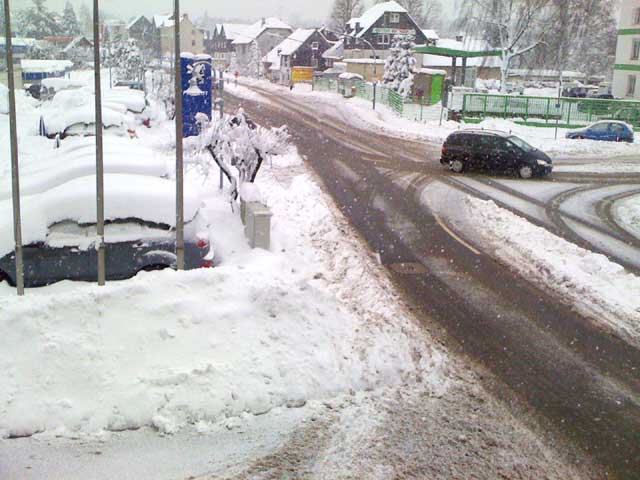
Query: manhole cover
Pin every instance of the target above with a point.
(408, 268)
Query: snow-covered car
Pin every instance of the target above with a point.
(59, 231)
(72, 112)
(76, 158)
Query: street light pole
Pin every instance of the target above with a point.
(13, 133)
(179, 134)
(99, 147)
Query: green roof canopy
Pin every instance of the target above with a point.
(450, 52)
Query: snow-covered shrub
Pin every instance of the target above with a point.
(127, 60)
(235, 142)
(400, 67)
(163, 93)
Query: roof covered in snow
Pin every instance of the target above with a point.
(431, 34)
(77, 42)
(47, 66)
(136, 20)
(288, 46)
(468, 44)
(372, 15)
(258, 28)
(232, 30)
(336, 52)
(166, 20)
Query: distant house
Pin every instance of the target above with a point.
(303, 48)
(20, 46)
(371, 34)
(142, 31)
(219, 42)
(79, 50)
(627, 67)
(191, 37)
(34, 71)
(266, 33)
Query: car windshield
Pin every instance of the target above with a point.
(313, 239)
(521, 143)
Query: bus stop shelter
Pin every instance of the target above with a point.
(454, 54)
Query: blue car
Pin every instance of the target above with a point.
(606, 130)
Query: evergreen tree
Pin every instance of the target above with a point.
(70, 23)
(38, 22)
(86, 19)
(401, 65)
(2, 20)
(254, 68)
(127, 60)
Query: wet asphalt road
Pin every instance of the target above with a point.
(580, 380)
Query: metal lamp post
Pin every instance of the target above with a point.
(99, 147)
(13, 132)
(179, 150)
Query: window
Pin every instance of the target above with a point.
(631, 85)
(635, 51)
(193, 43)
(384, 39)
(394, 18)
(600, 127)
(315, 46)
(636, 16)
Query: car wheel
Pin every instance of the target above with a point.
(6, 278)
(457, 166)
(579, 137)
(525, 172)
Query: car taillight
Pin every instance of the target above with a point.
(444, 150)
(202, 244)
(207, 264)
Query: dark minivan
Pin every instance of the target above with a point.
(494, 151)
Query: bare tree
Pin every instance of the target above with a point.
(432, 15)
(342, 12)
(515, 27)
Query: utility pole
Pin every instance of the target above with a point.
(13, 133)
(99, 148)
(179, 151)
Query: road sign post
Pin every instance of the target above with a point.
(13, 134)
(179, 150)
(99, 147)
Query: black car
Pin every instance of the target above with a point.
(132, 245)
(494, 151)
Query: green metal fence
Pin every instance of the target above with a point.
(411, 108)
(536, 111)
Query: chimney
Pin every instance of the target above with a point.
(460, 38)
(263, 21)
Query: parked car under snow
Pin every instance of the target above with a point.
(59, 231)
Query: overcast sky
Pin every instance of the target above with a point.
(250, 9)
(292, 10)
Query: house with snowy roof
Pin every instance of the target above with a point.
(142, 31)
(266, 34)
(303, 48)
(371, 35)
(218, 42)
(191, 37)
(79, 50)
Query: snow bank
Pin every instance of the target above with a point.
(63, 83)
(627, 214)
(599, 288)
(126, 196)
(169, 349)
